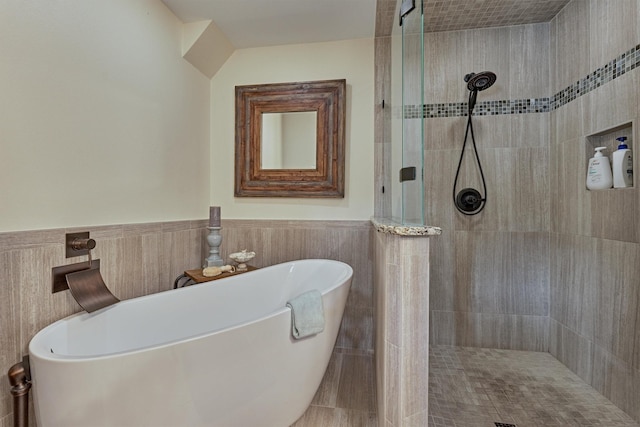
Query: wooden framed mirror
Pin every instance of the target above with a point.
(290, 139)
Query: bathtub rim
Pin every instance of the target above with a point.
(38, 350)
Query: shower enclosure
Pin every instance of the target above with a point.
(406, 103)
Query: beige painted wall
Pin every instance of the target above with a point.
(351, 60)
(101, 120)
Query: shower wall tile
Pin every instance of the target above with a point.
(492, 131)
(530, 130)
(553, 54)
(529, 57)
(447, 51)
(499, 272)
(412, 64)
(488, 47)
(570, 120)
(517, 186)
(614, 214)
(572, 44)
(505, 331)
(522, 66)
(497, 166)
(442, 283)
(613, 28)
(572, 349)
(530, 273)
(482, 271)
(453, 328)
(617, 381)
(575, 272)
(530, 194)
(514, 152)
(617, 298)
(440, 166)
(444, 133)
(571, 204)
(595, 234)
(612, 104)
(515, 332)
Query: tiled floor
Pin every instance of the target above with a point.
(469, 387)
(476, 387)
(346, 397)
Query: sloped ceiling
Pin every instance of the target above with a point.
(256, 23)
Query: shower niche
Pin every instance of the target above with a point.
(608, 138)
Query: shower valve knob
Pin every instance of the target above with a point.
(469, 200)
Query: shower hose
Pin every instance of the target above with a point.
(469, 201)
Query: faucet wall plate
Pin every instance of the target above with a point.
(71, 250)
(59, 274)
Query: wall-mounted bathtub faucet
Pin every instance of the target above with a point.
(83, 279)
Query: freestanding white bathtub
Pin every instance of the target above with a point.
(216, 354)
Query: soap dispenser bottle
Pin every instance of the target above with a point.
(599, 171)
(622, 165)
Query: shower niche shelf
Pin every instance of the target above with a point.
(607, 138)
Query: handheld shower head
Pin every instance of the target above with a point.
(480, 81)
(469, 201)
(477, 82)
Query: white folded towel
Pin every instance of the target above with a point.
(307, 314)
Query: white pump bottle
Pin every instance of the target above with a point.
(599, 171)
(622, 165)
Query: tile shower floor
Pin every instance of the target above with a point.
(469, 387)
(478, 387)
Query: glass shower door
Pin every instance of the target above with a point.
(408, 119)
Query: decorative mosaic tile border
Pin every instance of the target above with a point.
(486, 108)
(615, 68)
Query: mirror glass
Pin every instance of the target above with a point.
(288, 140)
